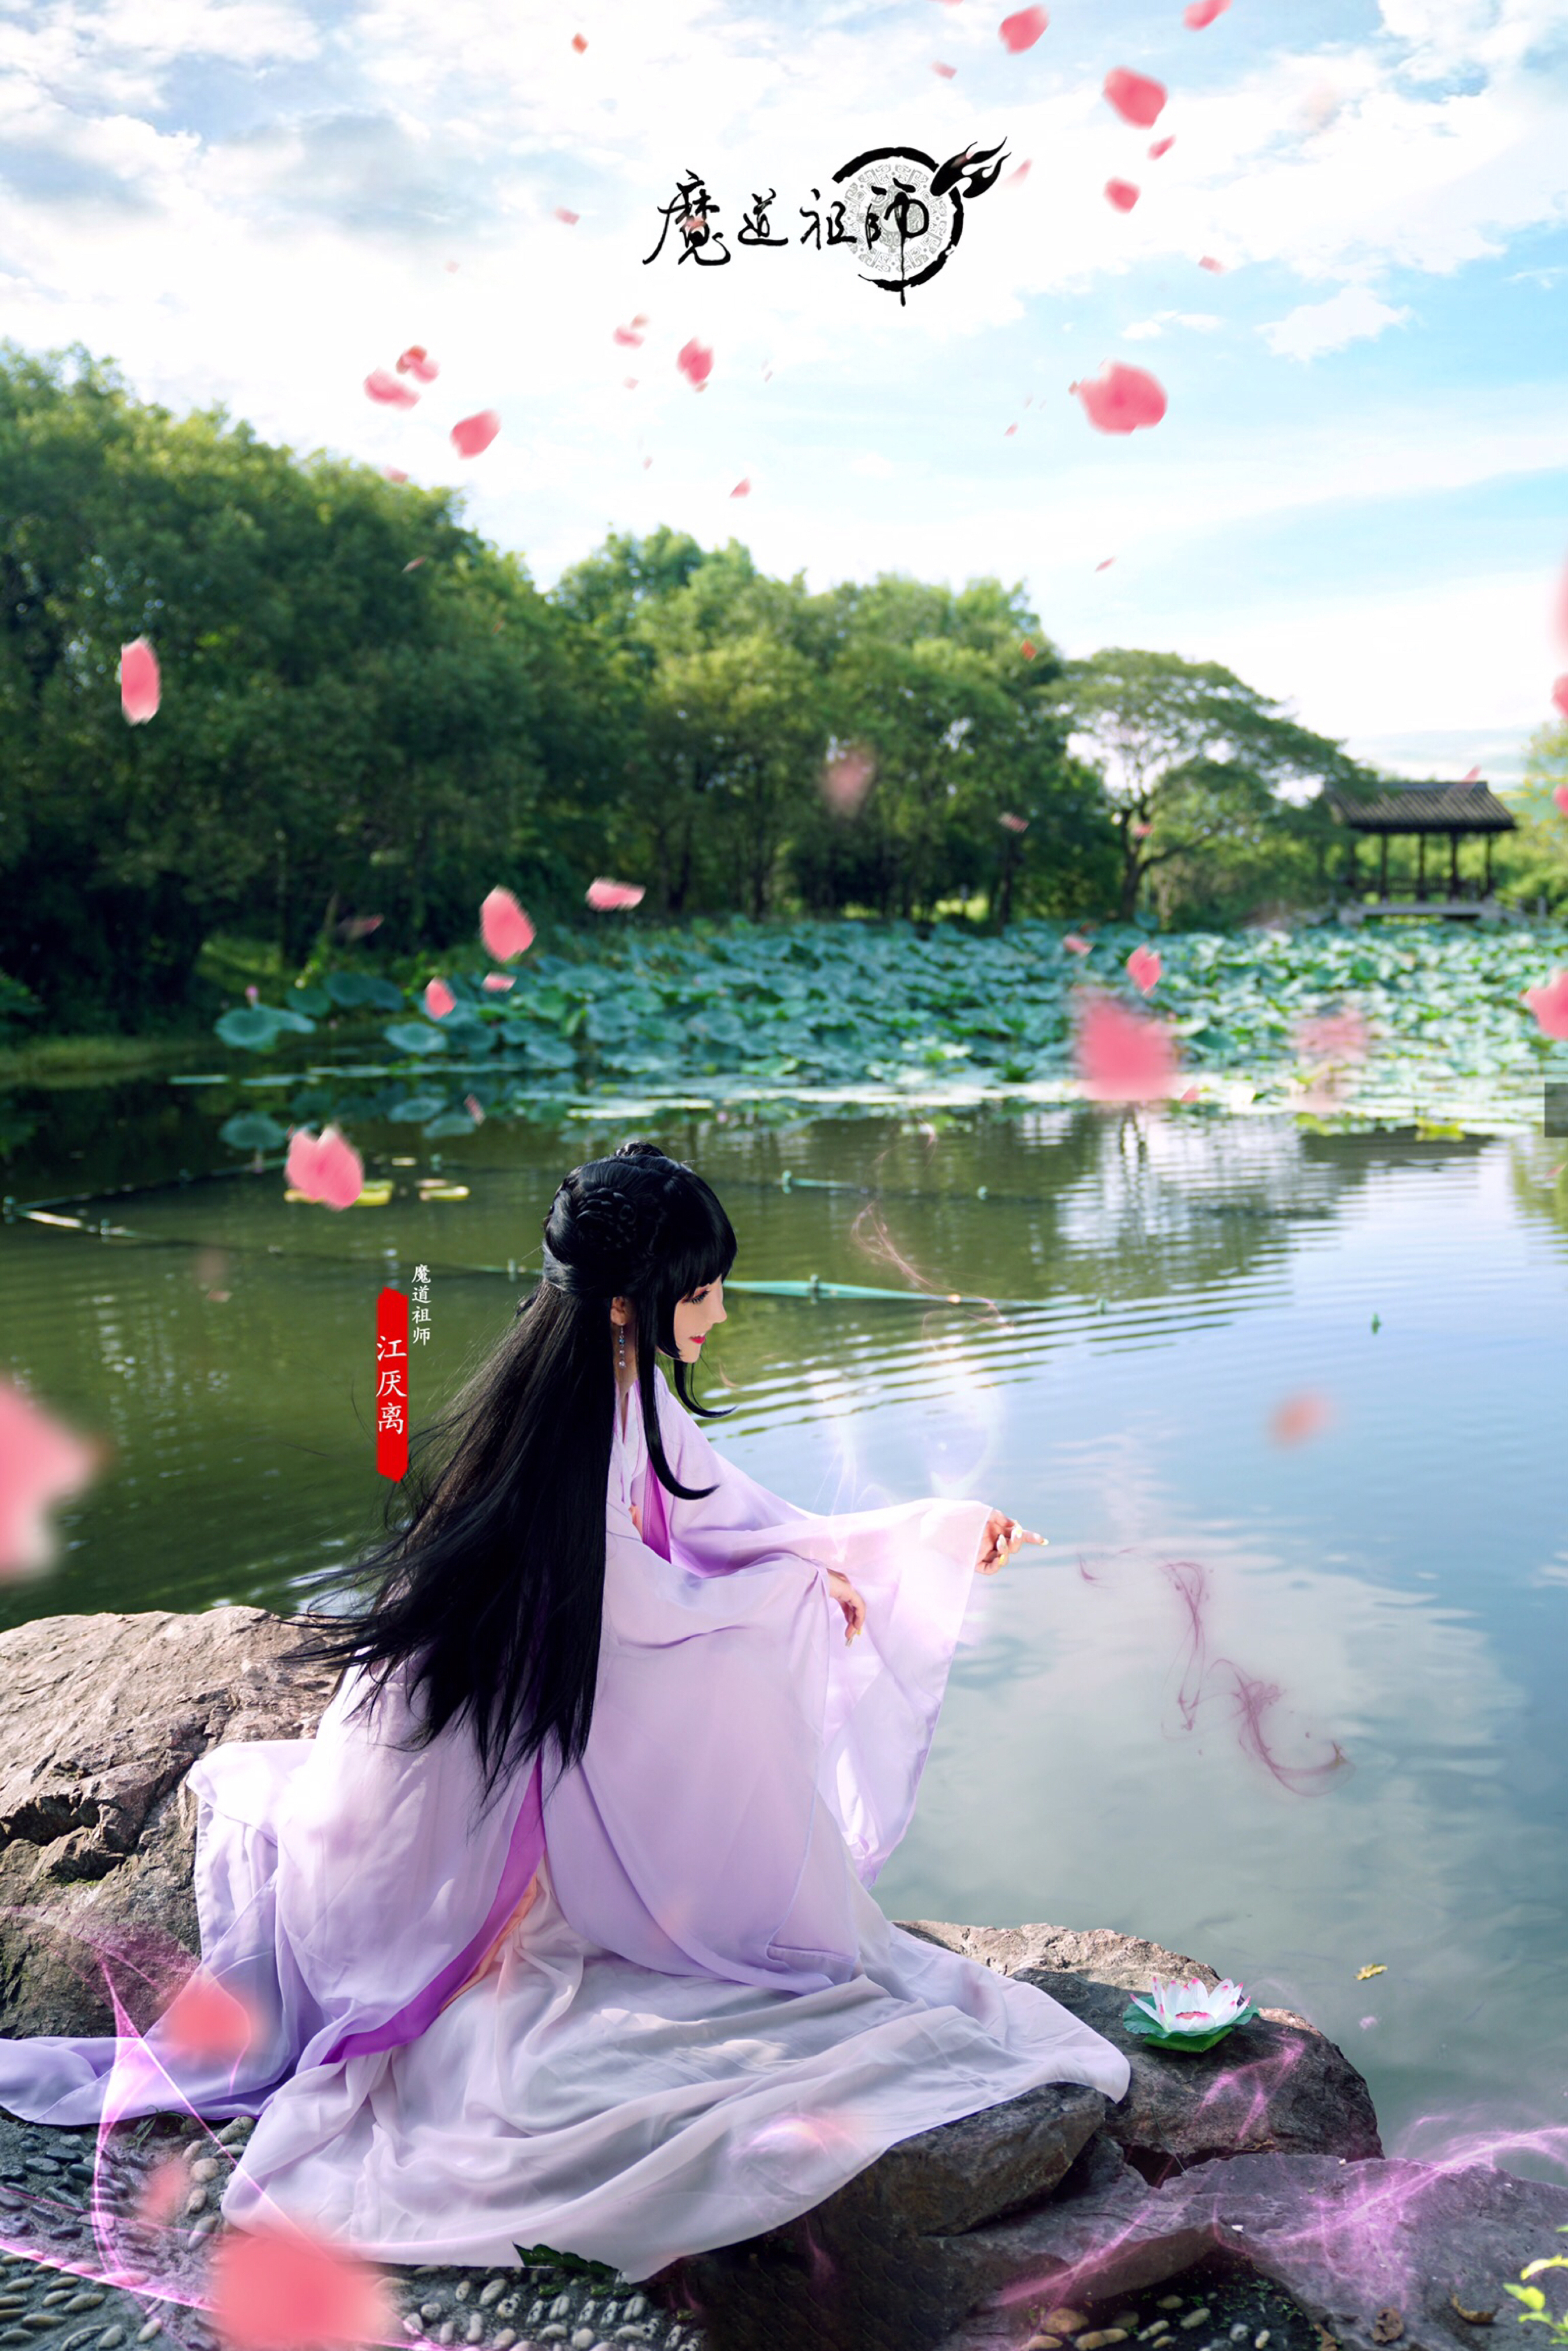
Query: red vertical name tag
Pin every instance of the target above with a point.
(392, 1384)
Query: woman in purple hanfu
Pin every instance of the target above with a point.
(558, 1930)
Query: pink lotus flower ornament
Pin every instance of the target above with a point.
(1189, 2016)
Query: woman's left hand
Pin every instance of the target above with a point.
(1001, 1538)
(849, 1599)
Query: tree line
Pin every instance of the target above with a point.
(370, 712)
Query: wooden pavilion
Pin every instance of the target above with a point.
(1427, 811)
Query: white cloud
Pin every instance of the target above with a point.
(1353, 315)
(1146, 331)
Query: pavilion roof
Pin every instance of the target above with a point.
(1435, 807)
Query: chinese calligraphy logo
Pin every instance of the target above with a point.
(901, 210)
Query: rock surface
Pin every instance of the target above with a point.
(1275, 2083)
(1376, 2252)
(103, 1717)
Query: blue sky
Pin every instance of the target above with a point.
(1358, 497)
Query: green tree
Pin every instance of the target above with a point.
(1199, 772)
(1532, 863)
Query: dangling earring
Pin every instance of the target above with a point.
(620, 1349)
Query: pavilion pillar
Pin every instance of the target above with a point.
(1453, 865)
(1420, 865)
(1487, 888)
(1383, 865)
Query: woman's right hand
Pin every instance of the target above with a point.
(849, 1599)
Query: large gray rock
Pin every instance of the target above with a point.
(103, 1717)
(1275, 2083)
(1376, 2252)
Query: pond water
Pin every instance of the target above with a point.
(1289, 1702)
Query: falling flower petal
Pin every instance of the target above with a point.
(1121, 1056)
(1561, 796)
(695, 361)
(1075, 945)
(1560, 694)
(1021, 32)
(394, 474)
(166, 2189)
(947, 72)
(504, 926)
(278, 2289)
(1550, 1004)
(417, 362)
(1333, 1037)
(1190, 1095)
(1013, 178)
(570, 219)
(1472, 776)
(1299, 1417)
(742, 488)
(386, 387)
(847, 777)
(439, 1000)
(1121, 399)
(497, 981)
(1209, 261)
(628, 335)
(416, 563)
(609, 897)
(1136, 97)
(140, 686)
(1011, 430)
(474, 1108)
(579, 43)
(1029, 648)
(205, 2020)
(629, 383)
(324, 1167)
(472, 435)
(1122, 194)
(1161, 147)
(1140, 830)
(41, 1461)
(1013, 823)
(1199, 13)
(1107, 564)
(1144, 966)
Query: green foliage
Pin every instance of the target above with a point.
(1532, 863)
(1535, 2312)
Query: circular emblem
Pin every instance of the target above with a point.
(904, 211)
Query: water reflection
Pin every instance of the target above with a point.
(1392, 1585)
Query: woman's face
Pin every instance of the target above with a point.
(695, 1317)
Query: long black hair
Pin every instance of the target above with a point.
(490, 1588)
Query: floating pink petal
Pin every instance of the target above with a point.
(1561, 796)
(1560, 694)
(628, 335)
(1190, 1095)
(1140, 830)
(1161, 147)
(41, 1461)
(1332, 1037)
(847, 777)
(1549, 1005)
(204, 2019)
(417, 362)
(324, 1167)
(1021, 32)
(140, 686)
(281, 2289)
(609, 897)
(579, 43)
(416, 563)
(569, 220)
(742, 488)
(384, 387)
(1123, 194)
(474, 1108)
(1144, 966)
(439, 1000)
(497, 981)
(1121, 1056)
(167, 2187)
(1199, 13)
(1209, 261)
(472, 435)
(1013, 823)
(695, 361)
(1011, 430)
(1014, 178)
(1121, 399)
(1107, 564)
(1137, 98)
(1075, 945)
(1299, 1417)
(394, 474)
(1472, 776)
(947, 72)
(1028, 648)
(504, 926)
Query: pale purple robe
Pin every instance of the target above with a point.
(704, 2024)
